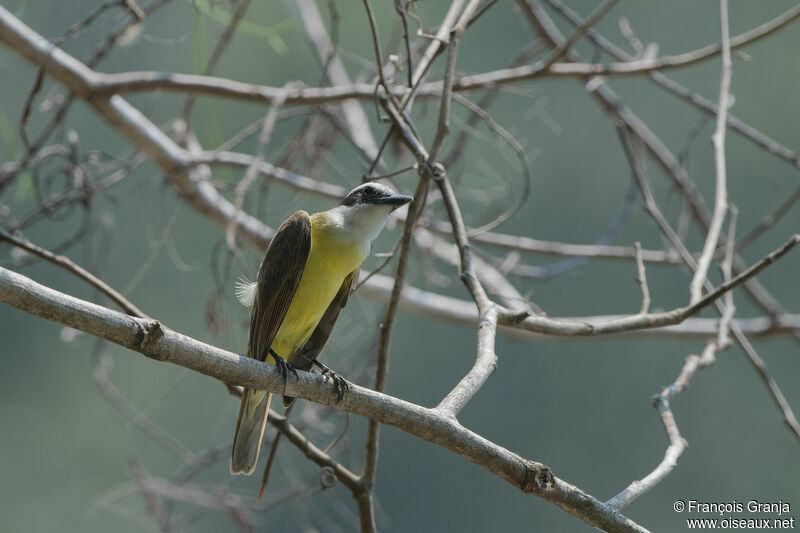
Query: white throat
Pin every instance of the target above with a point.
(362, 222)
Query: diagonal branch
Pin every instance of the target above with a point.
(67, 264)
(559, 51)
(160, 343)
(677, 444)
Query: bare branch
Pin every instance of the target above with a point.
(67, 264)
(204, 197)
(531, 245)
(373, 431)
(721, 197)
(485, 365)
(219, 49)
(705, 105)
(641, 279)
(252, 170)
(769, 220)
(626, 68)
(677, 444)
(723, 337)
(354, 115)
(763, 372)
(160, 343)
(108, 84)
(310, 450)
(664, 157)
(427, 169)
(559, 51)
(648, 320)
(100, 368)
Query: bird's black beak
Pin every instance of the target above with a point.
(395, 200)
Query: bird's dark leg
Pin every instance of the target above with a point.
(284, 368)
(339, 382)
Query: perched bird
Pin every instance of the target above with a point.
(304, 280)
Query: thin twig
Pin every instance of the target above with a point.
(718, 139)
(738, 334)
(559, 51)
(67, 264)
(139, 81)
(641, 279)
(769, 220)
(677, 444)
(723, 337)
(310, 450)
(705, 105)
(252, 171)
(655, 146)
(376, 43)
(100, 368)
(222, 44)
(414, 210)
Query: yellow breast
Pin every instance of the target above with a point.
(333, 256)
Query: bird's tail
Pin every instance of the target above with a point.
(249, 431)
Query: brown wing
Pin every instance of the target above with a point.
(303, 358)
(278, 279)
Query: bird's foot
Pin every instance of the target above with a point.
(284, 368)
(339, 382)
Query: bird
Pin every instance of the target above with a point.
(305, 278)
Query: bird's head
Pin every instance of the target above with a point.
(366, 209)
(375, 196)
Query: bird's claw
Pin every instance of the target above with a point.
(339, 382)
(284, 368)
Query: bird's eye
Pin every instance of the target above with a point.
(367, 193)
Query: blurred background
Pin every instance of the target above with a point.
(70, 453)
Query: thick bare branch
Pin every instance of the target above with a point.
(160, 343)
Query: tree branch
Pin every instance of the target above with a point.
(160, 343)
(664, 157)
(721, 196)
(80, 272)
(108, 84)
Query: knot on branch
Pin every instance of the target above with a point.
(148, 332)
(467, 278)
(539, 479)
(327, 478)
(517, 318)
(438, 171)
